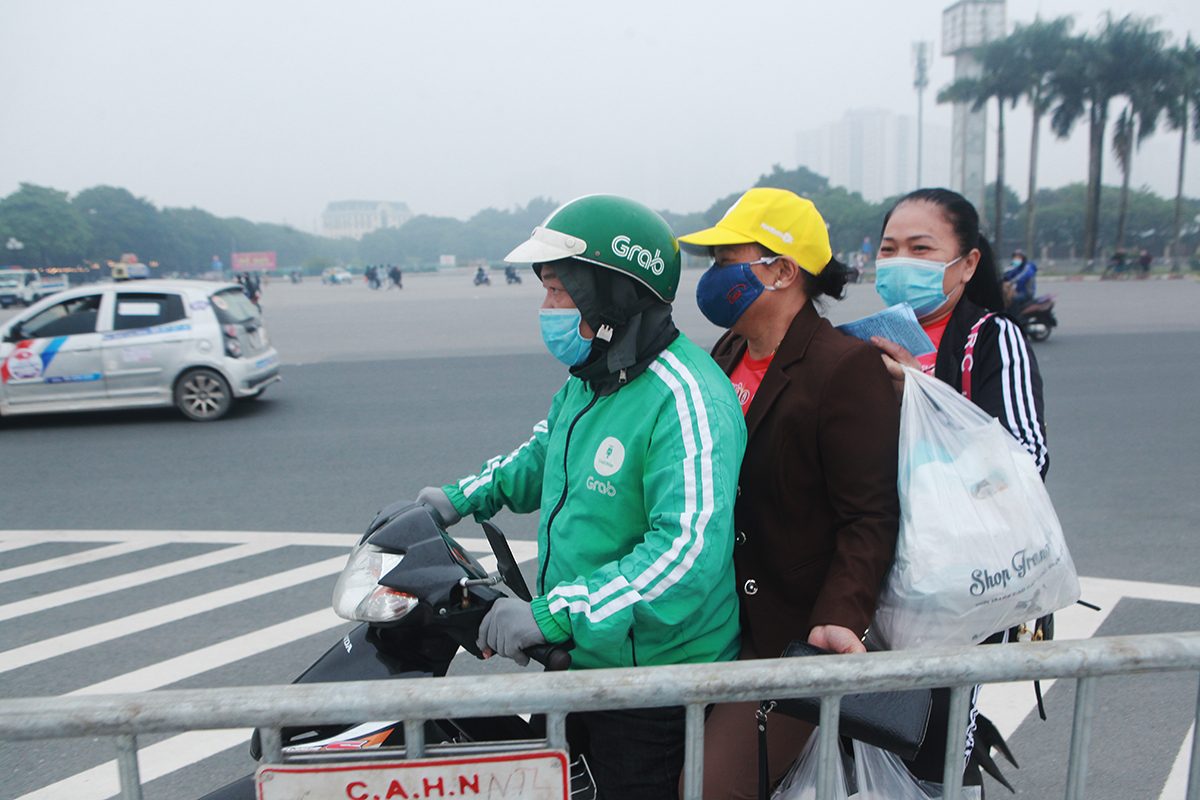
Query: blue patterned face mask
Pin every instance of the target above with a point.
(725, 292)
(912, 280)
(560, 332)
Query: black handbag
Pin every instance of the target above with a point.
(894, 721)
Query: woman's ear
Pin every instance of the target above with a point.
(970, 262)
(789, 272)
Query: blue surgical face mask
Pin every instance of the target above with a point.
(1016, 262)
(560, 332)
(912, 280)
(725, 292)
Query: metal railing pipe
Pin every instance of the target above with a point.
(271, 740)
(693, 753)
(414, 738)
(1081, 737)
(828, 766)
(563, 692)
(956, 740)
(1193, 788)
(127, 767)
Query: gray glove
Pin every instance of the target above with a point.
(508, 629)
(435, 498)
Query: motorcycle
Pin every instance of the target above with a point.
(483, 279)
(1036, 318)
(420, 596)
(512, 277)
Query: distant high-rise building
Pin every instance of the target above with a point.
(353, 218)
(874, 152)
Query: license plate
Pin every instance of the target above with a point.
(537, 775)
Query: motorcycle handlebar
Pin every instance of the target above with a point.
(554, 657)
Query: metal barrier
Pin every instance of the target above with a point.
(124, 717)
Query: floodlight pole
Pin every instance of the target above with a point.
(921, 51)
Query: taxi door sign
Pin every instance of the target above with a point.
(537, 775)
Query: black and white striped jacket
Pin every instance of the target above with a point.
(1005, 381)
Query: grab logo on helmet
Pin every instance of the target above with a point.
(622, 248)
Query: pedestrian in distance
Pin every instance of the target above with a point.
(817, 511)
(635, 473)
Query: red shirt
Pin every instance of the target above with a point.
(747, 376)
(934, 332)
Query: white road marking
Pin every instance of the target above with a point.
(180, 668)
(74, 559)
(1009, 704)
(169, 537)
(172, 612)
(182, 750)
(117, 583)
(102, 781)
(1176, 785)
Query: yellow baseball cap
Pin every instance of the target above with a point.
(779, 220)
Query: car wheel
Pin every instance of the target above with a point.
(203, 394)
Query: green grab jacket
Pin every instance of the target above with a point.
(637, 488)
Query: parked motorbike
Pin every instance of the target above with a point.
(1036, 318)
(420, 597)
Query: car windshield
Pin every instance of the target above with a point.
(232, 306)
(9, 282)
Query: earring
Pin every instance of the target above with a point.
(778, 284)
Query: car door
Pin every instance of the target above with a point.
(142, 352)
(54, 357)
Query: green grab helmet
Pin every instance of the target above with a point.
(611, 232)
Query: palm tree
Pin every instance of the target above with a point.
(1147, 89)
(1093, 72)
(1001, 79)
(1039, 48)
(1183, 88)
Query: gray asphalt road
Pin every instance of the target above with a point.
(379, 400)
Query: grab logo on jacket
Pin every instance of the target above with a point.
(609, 457)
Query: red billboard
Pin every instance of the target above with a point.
(253, 262)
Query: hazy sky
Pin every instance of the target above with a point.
(269, 109)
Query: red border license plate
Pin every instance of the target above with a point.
(537, 775)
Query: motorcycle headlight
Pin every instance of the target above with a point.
(358, 595)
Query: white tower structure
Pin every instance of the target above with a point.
(965, 25)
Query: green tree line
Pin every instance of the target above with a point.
(101, 224)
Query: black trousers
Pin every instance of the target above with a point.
(635, 754)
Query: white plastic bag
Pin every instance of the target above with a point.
(980, 546)
(882, 776)
(801, 781)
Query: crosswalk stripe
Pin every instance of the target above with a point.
(172, 612)
(74, 560)
(129, 580)
(21, 538)
(187, 748)
(102, 781)
(190, 664)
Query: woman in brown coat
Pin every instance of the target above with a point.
(817, 512)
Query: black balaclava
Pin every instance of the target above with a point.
(640, 323)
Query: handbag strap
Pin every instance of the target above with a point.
(764, 773)
(969, 357)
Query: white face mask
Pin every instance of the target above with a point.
(915, 281)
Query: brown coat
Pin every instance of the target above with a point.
(817, 512)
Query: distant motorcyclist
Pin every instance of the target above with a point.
(1022, 276)
(481, 277)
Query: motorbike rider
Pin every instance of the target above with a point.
(1022, 276)
(481, 276)
(635, 470)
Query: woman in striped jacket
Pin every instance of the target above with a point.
(934, 258)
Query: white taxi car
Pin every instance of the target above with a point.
(192, 344)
